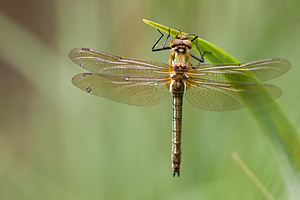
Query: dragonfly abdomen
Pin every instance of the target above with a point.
(177, 93)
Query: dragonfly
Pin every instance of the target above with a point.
(214, 87)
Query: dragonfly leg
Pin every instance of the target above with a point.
(201, 59)
(164, 46)
(195, 57)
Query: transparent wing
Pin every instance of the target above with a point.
(100, 62)
(138, 91)
(229, 96)
(256, 71)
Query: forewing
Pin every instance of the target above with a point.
(100, 62)
(231, 96)
(256, 71)
(138, 91)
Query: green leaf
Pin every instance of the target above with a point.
(282, 137)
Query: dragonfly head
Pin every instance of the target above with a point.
(181, 44)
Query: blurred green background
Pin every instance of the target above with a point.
(57, 142)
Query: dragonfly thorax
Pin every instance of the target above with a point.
(180, 60)
(179, 73)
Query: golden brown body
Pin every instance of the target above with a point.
(180, 62)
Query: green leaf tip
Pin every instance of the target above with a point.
(163, 28)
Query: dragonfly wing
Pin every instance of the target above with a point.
(230, 96)
(256, 71)
(100, 62)
(138, 91)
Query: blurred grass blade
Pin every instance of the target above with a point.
(276, 127)
(252, 176)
